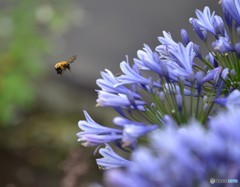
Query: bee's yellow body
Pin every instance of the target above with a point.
(63, 65)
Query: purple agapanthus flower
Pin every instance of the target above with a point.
(132, 130)
(213, 75)
(106, 99)
(210, 58)
(93, 134)
(186, 156)
(232, 100)
(149, 60)
(167, 42)
(202, 33)
(231, 8)
(222, 45)
(111, 159)
(185, 36)
(178, 59)
(171, 128)
(108, 82)
(206, 20)
(237, 48)
(131, 75)
(183, 59)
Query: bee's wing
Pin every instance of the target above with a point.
(71, 59)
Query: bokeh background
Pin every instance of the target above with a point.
(39, 109)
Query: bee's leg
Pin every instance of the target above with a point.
(68, 67)
(59, 71)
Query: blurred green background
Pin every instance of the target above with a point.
(39, 109)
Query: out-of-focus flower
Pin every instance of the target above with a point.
(231, 9)
(231, 101)
(111, 159)
(132, 130)
(186, 156)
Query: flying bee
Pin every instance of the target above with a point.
(63, 65)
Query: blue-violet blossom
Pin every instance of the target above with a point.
(178, 109)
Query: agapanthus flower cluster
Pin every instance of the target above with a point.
(184, 156)
(178, 109)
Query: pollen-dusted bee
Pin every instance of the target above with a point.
(63, 65)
